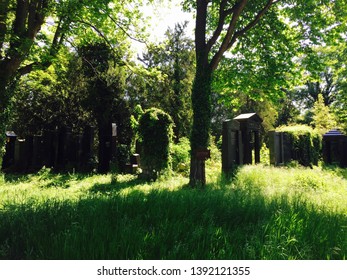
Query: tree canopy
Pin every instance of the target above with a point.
(244, 29)
(278, 58)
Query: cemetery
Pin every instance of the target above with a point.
(59, 149)
(226, 140)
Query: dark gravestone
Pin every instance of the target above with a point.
(29, 147)
(231, 145)
(73, 150)
(87, 149)
(335, 148)
(250, 126)
(9, 157)
(37, 158)
(21, 157)
(287, 144)
(49, 148)
(62, 141)
(275, 148)
(280, 146)
(343, 162)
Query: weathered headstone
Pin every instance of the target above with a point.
(231, 145)
(87, 148)
(37, 152)
(335, 148)
(250, 126)
(9, 157)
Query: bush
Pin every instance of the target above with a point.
(306, 144)
(180, 154)
(155, 132)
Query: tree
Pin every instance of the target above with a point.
(322, 118)
(105, 83)
(25, 45)
(171, 89)
(222, 24)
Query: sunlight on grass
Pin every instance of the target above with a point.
(262, 213)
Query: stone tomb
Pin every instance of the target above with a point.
(241, 137)
(335, 148)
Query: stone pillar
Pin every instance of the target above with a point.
(247, 147)
(48, 151)
(9, 157)
(87, 148)
(37, 152)
(21, 158)
(230, 145)
(256, 147)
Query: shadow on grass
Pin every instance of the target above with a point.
(180, 224)
(342, 172)
(115, 186)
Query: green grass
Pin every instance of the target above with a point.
(263, 213)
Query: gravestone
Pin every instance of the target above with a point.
(231, 145)
(335, 148)
(37, 158)
(20, 156)
(87, 143)
(9, 157)
(61, 151)
(49, 148)
(250, 126)
(280, 146)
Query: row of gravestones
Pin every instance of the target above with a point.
(334, 148)
(240, 140)
(59, 149)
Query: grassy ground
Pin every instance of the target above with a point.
(263, 213)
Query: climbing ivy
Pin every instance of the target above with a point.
(155, 133)
(306, 144)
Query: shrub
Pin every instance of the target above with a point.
(180, 154)
(155, 132)
(306, 144)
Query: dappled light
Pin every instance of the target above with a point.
(260, 214)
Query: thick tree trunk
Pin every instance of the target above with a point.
(6, 85)
(201, 100)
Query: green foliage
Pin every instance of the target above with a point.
(155, 132)
(306, 143)
(180, 154)
(266, 213)
(323, 119)
(167, 80)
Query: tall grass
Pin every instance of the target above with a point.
(263, 213)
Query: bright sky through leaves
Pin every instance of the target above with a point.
(162, 16)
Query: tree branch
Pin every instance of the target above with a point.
(96, 30)
(222, 16)
(200, 31)
(256, 19)
(239, 7)
(124, 30)
(233, 35)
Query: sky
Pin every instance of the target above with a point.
(167, 15)
(163, 16)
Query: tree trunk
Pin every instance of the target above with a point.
(6, 87)
(201, 101)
